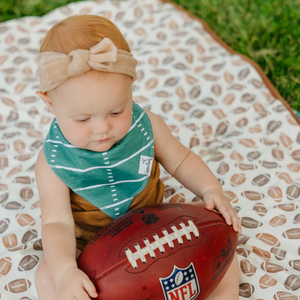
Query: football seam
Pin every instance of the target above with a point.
(125, 260)
(159, 243)
(151, 263)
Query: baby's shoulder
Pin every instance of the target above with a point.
(154, 118)
(40, 162)
(44, 175)
(54, 194)
(159, 127)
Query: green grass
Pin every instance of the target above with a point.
(267, 31)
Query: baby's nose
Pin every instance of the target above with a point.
(100, 127)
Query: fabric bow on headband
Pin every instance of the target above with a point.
(55, 68)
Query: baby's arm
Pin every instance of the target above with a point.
(58, 232)
(190, 170)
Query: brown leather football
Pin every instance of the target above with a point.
(170, 251)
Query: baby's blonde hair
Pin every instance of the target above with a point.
(81, 32)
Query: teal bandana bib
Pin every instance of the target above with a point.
(109, 180)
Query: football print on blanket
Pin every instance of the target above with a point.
(169, 251)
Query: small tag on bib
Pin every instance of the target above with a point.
(145, 165)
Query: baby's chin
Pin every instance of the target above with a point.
(99, 147)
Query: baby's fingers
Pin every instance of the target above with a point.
(82, 295)
(237, 223)
(225, 213)
(89, 287)
(209, 203)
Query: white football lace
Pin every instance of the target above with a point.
(159, 243)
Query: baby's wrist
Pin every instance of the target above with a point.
(215, 189)
(61, 273)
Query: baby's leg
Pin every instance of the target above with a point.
(228, 288)
(44, 283)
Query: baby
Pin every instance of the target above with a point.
(102, 153)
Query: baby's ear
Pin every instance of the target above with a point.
(133, 80)
(46, 100)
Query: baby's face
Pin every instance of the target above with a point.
(94, 110)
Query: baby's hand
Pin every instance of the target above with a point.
(214, 197)
(74, 284)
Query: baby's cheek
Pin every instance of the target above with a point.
(80, 135)
(124, 122)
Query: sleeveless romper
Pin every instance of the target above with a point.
(104, 185)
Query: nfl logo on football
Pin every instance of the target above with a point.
(182, 284)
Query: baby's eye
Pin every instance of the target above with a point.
(116, 114)
(82, 121)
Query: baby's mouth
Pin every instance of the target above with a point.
(103, 140)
